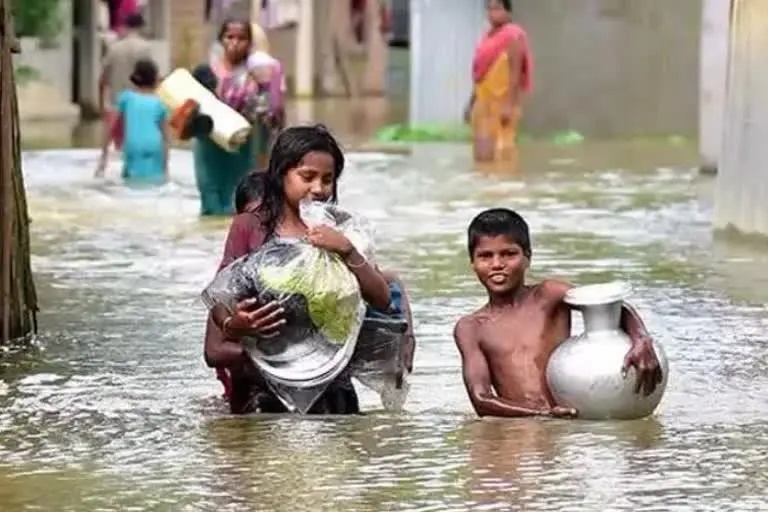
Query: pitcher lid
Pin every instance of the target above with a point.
(602, 293)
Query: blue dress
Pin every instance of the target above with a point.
(144, 117)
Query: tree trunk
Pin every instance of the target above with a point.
(18, 299)
(376, 50)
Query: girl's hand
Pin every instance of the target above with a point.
(264, 321)
(329, 239)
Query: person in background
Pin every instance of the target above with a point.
(502, 73)
(146, 146)
(218, 171)
(117, 68)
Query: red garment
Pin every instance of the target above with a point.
(245, 234)
(124, 8)
(496, 42)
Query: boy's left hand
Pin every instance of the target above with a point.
(329, 239)
(643, 358)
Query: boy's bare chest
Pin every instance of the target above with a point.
(514, 334)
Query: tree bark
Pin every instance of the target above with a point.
(18, 298)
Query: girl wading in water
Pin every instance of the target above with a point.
(305, 161)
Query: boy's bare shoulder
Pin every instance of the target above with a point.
(553, 289)
(467, 326)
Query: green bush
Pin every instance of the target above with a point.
(36, 18)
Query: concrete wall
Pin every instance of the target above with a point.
(442, 40)
(713, 70)
(189, 35)
(741, 192)
(602, 67)
(53, 61)
(614, 67)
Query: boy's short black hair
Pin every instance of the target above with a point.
(499, 222)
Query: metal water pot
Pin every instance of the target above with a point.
(585, 371)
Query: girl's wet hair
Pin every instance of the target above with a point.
(225, 25)
(249, 190)
(288, 150)
(499, 222)
(144, 73)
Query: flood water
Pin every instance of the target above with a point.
(113, 408)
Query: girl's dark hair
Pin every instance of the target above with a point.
(226, 23)
(288, 150)
(144, 73)
(250, 189)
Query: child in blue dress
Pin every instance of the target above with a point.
(146, 145)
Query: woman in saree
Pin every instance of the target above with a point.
(501, 73)
(218, 171)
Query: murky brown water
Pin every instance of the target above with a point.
(113, 409)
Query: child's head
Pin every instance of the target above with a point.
(249, 191)
(304, 161)
(236, 38)
(499, 246)
(144, 74)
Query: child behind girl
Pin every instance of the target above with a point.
(145, 150)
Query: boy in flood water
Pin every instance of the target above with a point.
(506, 344)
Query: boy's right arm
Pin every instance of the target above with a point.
(477, 376)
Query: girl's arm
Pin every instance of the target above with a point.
(373, 286)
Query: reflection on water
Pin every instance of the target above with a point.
(112, 408)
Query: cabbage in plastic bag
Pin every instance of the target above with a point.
(324, 308)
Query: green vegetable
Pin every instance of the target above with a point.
(332, 293)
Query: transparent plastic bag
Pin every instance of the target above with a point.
(324, 309)
(378, 359)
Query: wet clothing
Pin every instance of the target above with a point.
(143, 118)
(244, 386)
(218, 171)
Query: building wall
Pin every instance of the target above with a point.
(190, 36)
(741, 191)
(602, 67)
(52, 62)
